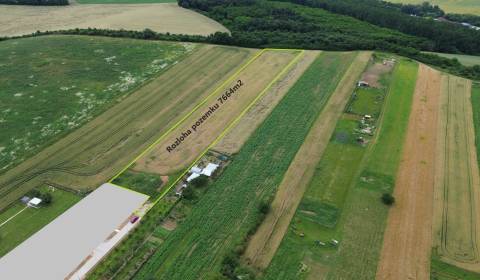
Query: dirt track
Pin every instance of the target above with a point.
(457, 182)
(265, 241)
(408, 236)
(20, 20)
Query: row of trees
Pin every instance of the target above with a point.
(35, 2)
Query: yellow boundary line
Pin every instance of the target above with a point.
(233, 123)
(223, 133)
(230, 79)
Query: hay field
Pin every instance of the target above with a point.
(98, 150)
(457, 183)
(408, 236)
(264, 243)
(167, 17)
(254, 78)
(450, 6)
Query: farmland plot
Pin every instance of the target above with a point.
(264, 243)
(220, 221)
(100, 149)
(457, 184)
(408, 236)
(202, 127)
(307, 251)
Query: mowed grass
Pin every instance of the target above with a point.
(31, 220)
(221, 220)
(450, 6)
(52, 85)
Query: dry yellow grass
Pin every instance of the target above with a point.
(265, 241)
(254, 77)
(165, 17)
(457, 184)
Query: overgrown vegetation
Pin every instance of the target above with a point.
(145, 183)
(476, 116)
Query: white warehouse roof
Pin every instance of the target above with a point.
(59, 248)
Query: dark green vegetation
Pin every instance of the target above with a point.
(35, 2)
(32, 220)
(472, 19)
(219, 223)
(336, 206)
(341, 25)
(444, 271)
(124, 1)
(476, 116)
(145, 183)
(52, 85)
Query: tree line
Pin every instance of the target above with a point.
(35, 2)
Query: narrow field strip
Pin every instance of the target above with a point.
(222, 218)
(457, 185)
(182, 145)
(365, 216)
(408, 237)
(105, 146)
(264, 243)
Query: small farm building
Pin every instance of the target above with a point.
(34, 202)
(211, 167)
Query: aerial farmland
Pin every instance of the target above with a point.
(186, 144)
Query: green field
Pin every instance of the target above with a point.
(124, 1)
(52, 85)
(450, 6)
(335, 206)
(476, 116)
(467, 60)
(229, 209)
(444, 271)
(31, 220)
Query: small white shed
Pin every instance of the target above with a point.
(34, 202)
(211, 167)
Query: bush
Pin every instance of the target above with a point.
(388, 199)
(200, 181)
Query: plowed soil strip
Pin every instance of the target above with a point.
(265, 241)
(408, 236)
(457, 185)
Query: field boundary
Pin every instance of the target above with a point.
(225, 131)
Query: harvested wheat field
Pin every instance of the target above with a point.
(408, 236)
(457, 184)
(236, 137)
(166, 17)
(95, 152)
(264, 243)
(211, 119)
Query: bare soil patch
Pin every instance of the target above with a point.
(234, 140)
(457, 182)
(163, 17)
(255, 77)
(374, 73)
(265, 241)
(408, 236)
